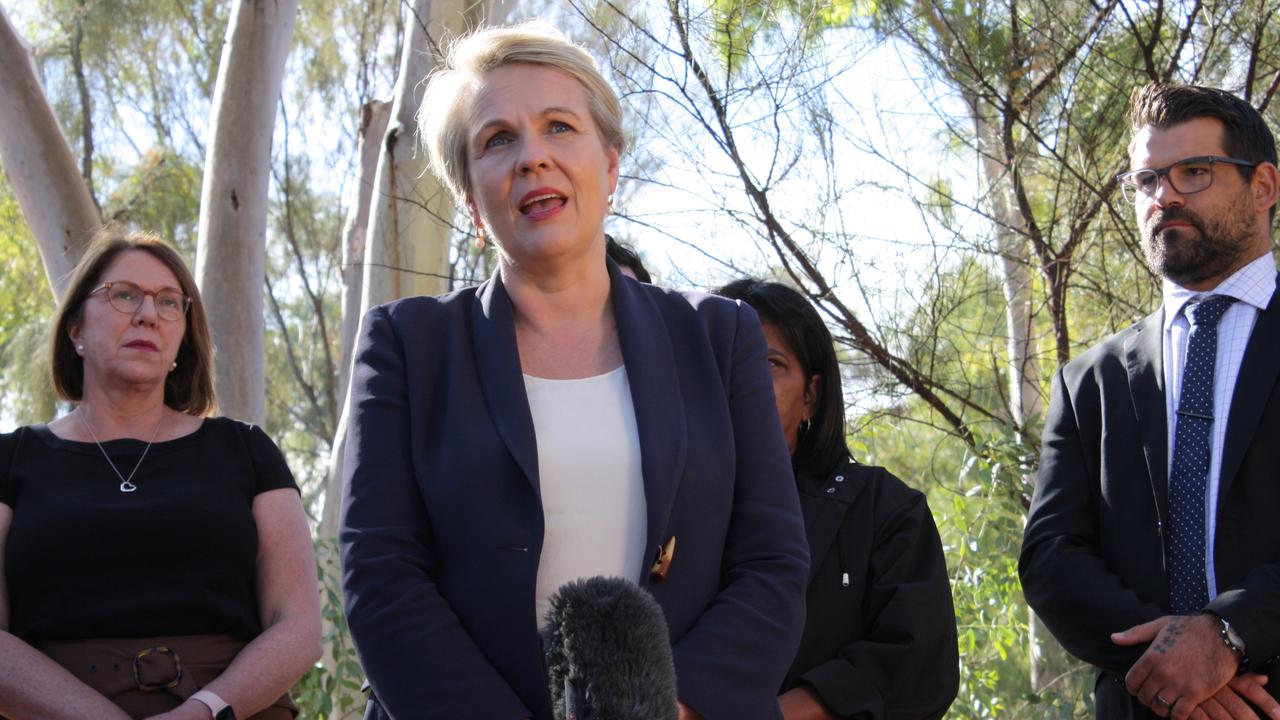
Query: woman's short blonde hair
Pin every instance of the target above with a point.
(446, 104)
(189, 388)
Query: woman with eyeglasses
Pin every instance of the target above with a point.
(880, 633)
(155, 561)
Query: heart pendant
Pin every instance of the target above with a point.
(127, 487)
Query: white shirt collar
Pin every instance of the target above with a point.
(1254, 284)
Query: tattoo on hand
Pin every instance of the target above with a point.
(1169, 637)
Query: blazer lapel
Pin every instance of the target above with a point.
(658, 402)
(493, 335)
(1258, 371)
(1143, 353)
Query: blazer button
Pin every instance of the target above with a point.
(831, 491)
(839, 478)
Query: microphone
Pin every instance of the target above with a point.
(608, 653)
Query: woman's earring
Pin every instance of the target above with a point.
(173, 366)
(478, 240)
(79, 349)
(610, 200)
(804, 426)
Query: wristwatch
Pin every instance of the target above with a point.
(220, 708)
(1232, 640)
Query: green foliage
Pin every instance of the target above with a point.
(338, 674)
(737, 24)
(26, 308)
(981, 528)
(940, 199)
(303, 307)
(160, 193)
(978, 500)
(955, 337)
(148, 71)
(343, 52)
(743, 27)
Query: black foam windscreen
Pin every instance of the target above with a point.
(608, 653)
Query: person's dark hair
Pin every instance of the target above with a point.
(821, 448)
(1245, 134)
(189, 388)
(624, 256)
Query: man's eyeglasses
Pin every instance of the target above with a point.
(127, 298)
(1186, 177)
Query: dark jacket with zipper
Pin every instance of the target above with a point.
(880, 636)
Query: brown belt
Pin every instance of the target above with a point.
(148, 676)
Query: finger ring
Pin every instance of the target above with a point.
(1162, 701)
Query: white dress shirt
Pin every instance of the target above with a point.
(1252, 286)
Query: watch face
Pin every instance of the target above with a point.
(225, 714)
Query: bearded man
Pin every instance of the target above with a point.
(1152, 547)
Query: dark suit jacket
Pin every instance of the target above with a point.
(1094, 551)
(442, 523)
(882, 647)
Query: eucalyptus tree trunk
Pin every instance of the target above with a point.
(405, 247)
(373, 125)
(1050, 663)
(1026, 399)
(40, 166)
(231, 249)
(396, 240)
(410, 225)
(374, 117)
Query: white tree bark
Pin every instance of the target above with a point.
(1026, 400)
(1049, 661)
(39, 164)
(373, 126)
(231, 250)
(406, 247)
(404, 250)
(407, 252)
(405, 241)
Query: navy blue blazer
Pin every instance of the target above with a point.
(442, 522)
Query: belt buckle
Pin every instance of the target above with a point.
(156, 650)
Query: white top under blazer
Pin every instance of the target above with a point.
(589, 472)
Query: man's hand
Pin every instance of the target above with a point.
(1229, 702)
(1186, 664)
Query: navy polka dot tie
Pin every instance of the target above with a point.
(1189, 473)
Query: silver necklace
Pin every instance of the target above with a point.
(126, 486)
